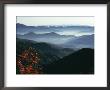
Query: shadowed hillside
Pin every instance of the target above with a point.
(80, 62)
(48, 53)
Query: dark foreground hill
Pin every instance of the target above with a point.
(80, 62)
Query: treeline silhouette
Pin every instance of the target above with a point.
(80, 62)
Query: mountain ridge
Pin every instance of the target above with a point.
(79, 62)
(47, 51)
(85, 41)
(23, 29)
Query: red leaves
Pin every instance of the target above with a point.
(26, 61)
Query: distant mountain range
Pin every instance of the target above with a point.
(51, 34)
(51, 37)
(85, 41)
(23, 29)
(67, 41)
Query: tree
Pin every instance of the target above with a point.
(28, 62)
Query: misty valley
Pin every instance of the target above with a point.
(54, 49)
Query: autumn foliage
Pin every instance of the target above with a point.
(28, 62)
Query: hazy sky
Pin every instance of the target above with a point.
(38, 21)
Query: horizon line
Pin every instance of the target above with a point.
(56, 25)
